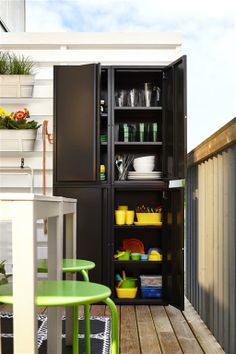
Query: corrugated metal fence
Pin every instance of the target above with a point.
(211, 234)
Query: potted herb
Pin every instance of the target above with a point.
(16, 75)
(17, 132)
(3, 275)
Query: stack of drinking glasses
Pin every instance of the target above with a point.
(138, 132)
(147, 95)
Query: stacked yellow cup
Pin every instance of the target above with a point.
(124, 216)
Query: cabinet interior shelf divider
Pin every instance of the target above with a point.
(138, 143)
(138, 262)
(154, 108)
(137, 227)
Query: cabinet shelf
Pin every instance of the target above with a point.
(141, 184)
(128, 227)
(134, 143)
(131, 262)
(156, 108)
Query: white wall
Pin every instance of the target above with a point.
(12, 13)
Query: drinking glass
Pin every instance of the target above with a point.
(154, 132)
(121, 98)
(156, 95)
(141, 132)
(148, 93)
(147, 132)
(133, 97)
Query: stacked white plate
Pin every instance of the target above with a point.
(132, 175)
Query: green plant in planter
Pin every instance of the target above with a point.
(3, 275)
(4, 67)
(20, 65)
(17, 120)
(12, 64)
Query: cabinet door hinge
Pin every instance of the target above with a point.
(164, 76)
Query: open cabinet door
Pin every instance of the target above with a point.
(174, 248)
(174, 119)
(76, 123)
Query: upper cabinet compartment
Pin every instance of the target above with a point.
(137, 101)
(138, 88)
(76, 116)
(174, 119)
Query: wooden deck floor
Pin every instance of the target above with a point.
(160, 330)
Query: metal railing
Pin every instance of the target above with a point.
(211, 234)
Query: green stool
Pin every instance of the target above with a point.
(74, 266)
(71, 293)
(69, 266)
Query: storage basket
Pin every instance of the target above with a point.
(151, 280)
(126, 293)
(155, 293)
(149, 217)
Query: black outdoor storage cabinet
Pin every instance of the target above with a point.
(106, 113)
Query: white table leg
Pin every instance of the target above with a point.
(55, 247)
(24, 232)
(70, 241)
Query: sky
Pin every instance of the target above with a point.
(208, 30)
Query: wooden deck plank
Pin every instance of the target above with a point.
(148, 338)
(187, 341)
(129, 343)
(167, 338)
(108, 312)
(97, 310)
(201, 332)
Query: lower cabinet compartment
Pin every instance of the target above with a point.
(138, 248)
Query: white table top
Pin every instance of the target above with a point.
(34, 197)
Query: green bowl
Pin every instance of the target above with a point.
(129, 283)
(135, 256)
(124, 257)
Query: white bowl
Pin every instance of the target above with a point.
(145, 159)
(144, 162)
(144, 168)
(149, 163)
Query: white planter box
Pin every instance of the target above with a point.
(16, 85)
(17, 139)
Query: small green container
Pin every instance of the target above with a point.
(125, 256)
(135, 256)
(129, 283)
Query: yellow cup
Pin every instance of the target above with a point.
(129, 218)
(122, 207)
(120, 217)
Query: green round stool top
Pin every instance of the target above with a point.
(62, 293)
(68, 265)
